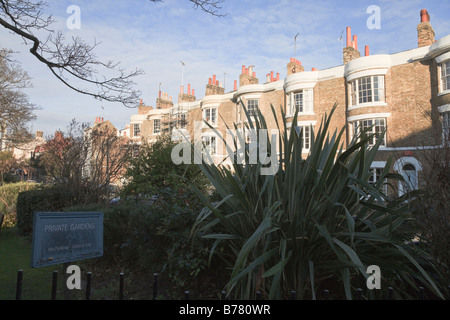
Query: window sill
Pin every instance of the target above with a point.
(300, 114)
(205, 126)
(443, 93)
(368, 104)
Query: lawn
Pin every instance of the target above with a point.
(15, 254)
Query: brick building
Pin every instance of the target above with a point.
(406, 93)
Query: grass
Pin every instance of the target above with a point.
(15, 254)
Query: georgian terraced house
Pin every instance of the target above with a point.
(407, 93)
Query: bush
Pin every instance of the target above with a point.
(144, 239)
(316, 224)
(45, 198)
(8, 200)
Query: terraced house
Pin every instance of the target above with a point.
(407, 93)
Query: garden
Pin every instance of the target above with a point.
(314, 226)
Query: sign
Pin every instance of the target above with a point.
(60, 237)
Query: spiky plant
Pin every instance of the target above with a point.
(316, 224)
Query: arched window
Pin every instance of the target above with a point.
(409, 173)
(409, 168)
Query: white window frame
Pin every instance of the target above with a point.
(306, 136)
(356, 126)
(376, 171)
(136, 130)
(367, 84)
(253, 108)
(399, 166)
(207, 141)
(210, 116)
(156, 126)
(444, 76)
(305, 104)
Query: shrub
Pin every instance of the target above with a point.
(8, 200)
(45, 198)
(316, 224)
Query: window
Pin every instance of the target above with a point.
(302, 101)
(306, 135)
(370, 126)
(156, 126)
(183, 121)
(136, 130)
(252, 107)
(209, 145)
(210, 115)
(409, 173)
(367, 89)
(375, 174)
(445, 75)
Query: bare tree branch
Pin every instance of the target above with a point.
(74, 63)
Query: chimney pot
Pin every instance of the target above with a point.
(181, 89)
(367, 51)
(278, 76)
(214, 79)
(243, 69)
(349, 36)
(193, 92)
(235, 85)
(189, 89)
(355, 42)
(424, 16)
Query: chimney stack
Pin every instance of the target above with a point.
(425, 32)
(186, 97)
(247, 76)
(350, 52)
(294, 66)
(214, 87)
(163, 101)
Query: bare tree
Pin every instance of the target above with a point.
(86, 160)
(74, 63)
(16, 111)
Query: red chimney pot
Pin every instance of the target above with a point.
(424, 16)
(349, 36)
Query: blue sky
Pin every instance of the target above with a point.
(155, 37)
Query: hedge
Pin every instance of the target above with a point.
(8, 200)
(44, 199)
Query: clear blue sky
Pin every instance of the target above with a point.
(155, 37)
